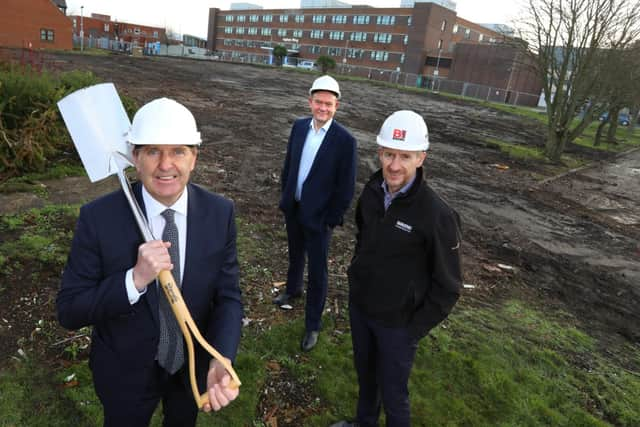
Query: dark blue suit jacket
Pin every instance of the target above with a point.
(125, 337)
(329, 187)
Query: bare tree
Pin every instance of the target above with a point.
(567, 40)
(622, 87)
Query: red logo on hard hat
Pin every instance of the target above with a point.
(399, 134)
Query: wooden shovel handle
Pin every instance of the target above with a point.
(188, 327)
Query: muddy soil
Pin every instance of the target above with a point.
(572, 241)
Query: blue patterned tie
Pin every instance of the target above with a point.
(170, 347)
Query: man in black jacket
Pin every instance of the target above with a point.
(405, 275)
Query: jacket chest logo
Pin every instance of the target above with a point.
(403, 226)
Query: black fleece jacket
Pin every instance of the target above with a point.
(406, 268)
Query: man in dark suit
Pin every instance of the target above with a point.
(137, 360)
(318, 180)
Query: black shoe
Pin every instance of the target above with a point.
(344, 423)
(310, 340)
(285, 298)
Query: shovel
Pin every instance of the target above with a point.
(98, 123)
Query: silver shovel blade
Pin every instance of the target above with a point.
(98, 124)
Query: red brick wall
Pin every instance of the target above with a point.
(22, 20)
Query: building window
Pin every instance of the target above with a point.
(358, 36)
(314, 49)
(241, 18)
(492, 40)
(467, 33)
(355, 53)
(481, 37)
(382, 38)
(155, 34)
(299, 18)
(227, 42)
(267, 18)
(443, 26)
(239, 30)
(409, 21)
(385, 20)
(319, 19)
(47, 35)
(228, 18)
(316, 34)
(439, 44)
(282, 32)
(379, 55)
(361, 19)
(266, 32)
(253, 18)
(297, 33)
(339, 19)
(252, 31)
(228, 30)
(402, 58)
(405, 40)
(336, 35)
(455, 29)
(284, 18)
(334, 51)
(106, 28)
(136, 30)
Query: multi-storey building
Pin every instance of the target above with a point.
(418, 40)
(99, 26)
(35, 24)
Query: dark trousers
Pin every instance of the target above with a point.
(383, 358)
(124, 408)
(315, 244)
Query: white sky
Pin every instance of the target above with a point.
(191, 16)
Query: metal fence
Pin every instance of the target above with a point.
(432, 83)
(435, 84)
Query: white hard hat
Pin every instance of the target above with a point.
(327, 83)
(163, 121)
(404, 130)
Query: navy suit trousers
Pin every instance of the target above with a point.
(123, 408)
(315, 244)
(383, 358)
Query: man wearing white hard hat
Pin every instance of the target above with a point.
(317, 182)
(405, 274)
(138, 351)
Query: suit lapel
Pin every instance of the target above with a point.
(152, 291)
(193, 237)
(324, 148)
(298, 145)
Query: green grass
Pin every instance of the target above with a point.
(626, 140)
(511, 366)
(532, 154)
(31, 182)
(508, 365)
(41, 237)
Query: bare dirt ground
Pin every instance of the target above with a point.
(573, 241)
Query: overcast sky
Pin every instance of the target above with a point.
(191, 16)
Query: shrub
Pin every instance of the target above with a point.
(32, 133)
(325, 63)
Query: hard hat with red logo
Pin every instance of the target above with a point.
(163, 121)
(404, 130)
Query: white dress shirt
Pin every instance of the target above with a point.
(156, 224)
(311, 146)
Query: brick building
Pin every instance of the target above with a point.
(99, 26)
(419, 39)
(36, 24)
